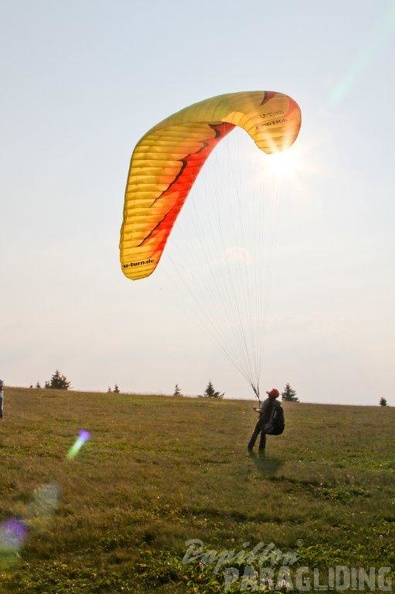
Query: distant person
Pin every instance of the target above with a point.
(264, 412)
(1, 398)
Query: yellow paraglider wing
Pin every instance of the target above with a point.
(167, 160)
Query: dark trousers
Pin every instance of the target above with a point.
(262, 441)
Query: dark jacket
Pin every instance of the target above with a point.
(265, 411)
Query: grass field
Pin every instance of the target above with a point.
(159, 471)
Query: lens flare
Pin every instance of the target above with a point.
(381, 35)
(237, 255)
(45, 502)
(13, 533)
(83, 436)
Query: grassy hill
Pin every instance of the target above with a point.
(159, 471)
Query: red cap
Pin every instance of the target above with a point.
(274, 393)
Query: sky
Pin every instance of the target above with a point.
(82, 81)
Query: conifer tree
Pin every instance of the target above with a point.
(289, 395)
(211, 392)
(177, 390)
(58, 382)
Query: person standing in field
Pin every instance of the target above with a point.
(1, 398)
(264, 412)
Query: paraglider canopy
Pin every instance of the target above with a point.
(168, 158)
(163, 169)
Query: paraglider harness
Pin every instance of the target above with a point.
(276, 423)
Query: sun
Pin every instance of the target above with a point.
(284, 164)
(288, 165)
(290, 168)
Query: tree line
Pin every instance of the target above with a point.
(59, 381)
